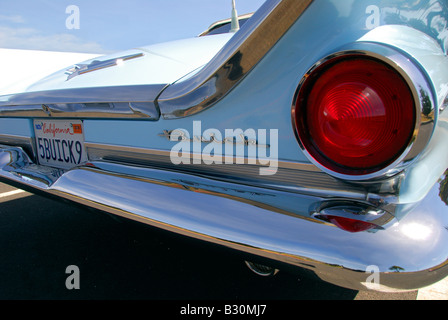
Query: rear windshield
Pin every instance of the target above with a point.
(223, 28)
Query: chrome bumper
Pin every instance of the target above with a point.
(408, 255)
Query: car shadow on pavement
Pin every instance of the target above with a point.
(122, 259)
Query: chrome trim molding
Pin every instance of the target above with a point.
(82, 68)
(15, 140)
(28, 144)
(235, 60)
(96, 102)
(425, 106)
(166, 154)
(304, 178)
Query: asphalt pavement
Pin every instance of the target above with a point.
(50, 250)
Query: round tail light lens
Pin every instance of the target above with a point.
(355, 115)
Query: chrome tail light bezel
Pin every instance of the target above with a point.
(421, 90)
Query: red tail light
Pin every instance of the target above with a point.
(355, 115)
(350, 225)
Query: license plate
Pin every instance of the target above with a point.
(60, 143)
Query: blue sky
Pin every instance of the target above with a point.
(108, 25)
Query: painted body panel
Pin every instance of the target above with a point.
(163, 64)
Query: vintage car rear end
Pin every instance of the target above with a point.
(313, 139)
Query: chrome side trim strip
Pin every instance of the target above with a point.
(166, 153)
(26, 143)
(236, 59)
(97, 102)
(15, 140)
(302, 178)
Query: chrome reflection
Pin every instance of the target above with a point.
(443, 188)
(416, 231)
(261, 270)
(261, 222)
(356, 211)
(16, 164)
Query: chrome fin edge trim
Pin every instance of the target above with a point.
(236, 59)
(125, 102)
